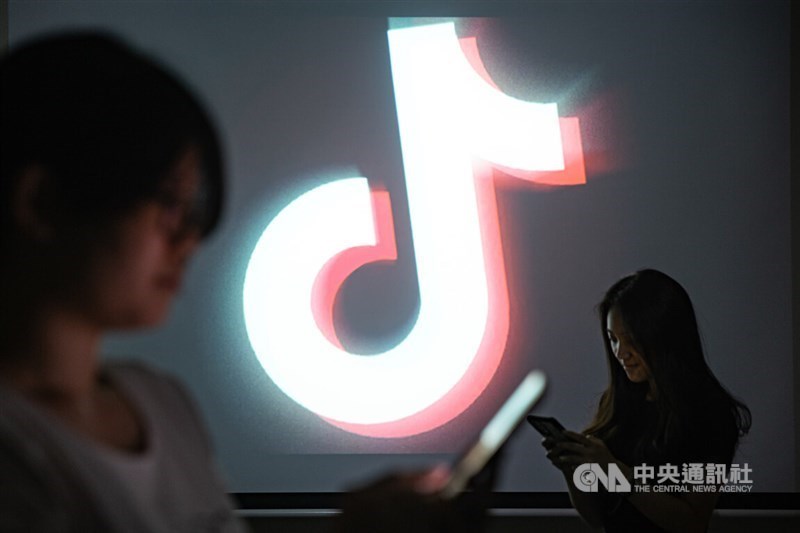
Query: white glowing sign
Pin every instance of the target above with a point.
(450, 118)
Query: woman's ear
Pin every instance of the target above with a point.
(29, 207)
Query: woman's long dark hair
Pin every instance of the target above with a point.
(659, 317)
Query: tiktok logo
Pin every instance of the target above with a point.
(454, 126)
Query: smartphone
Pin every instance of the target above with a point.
(495, 433)
(548, 427)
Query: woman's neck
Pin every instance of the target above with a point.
(51, 357)
(54, 364)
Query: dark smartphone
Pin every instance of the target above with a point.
(548, 427)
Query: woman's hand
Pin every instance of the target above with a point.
(568, 453)
(411, 501)
(395, 503)
(577, 449)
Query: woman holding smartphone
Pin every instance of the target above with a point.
(111, 177)
(663, 405)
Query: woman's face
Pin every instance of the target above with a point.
(135, 269)
(623, 348)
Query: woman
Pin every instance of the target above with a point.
(663, 405)
(111, 177)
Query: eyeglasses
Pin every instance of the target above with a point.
(181, 214)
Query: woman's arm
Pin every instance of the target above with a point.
(588, 504)
(672, 512)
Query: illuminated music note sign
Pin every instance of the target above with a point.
(454, 125)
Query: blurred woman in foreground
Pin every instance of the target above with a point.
(111, 177)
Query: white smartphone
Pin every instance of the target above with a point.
(495, 433)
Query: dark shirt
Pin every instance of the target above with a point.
(709, 436)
